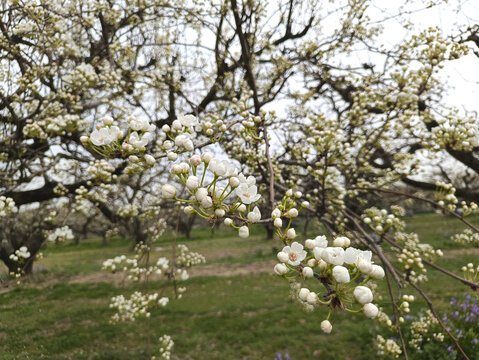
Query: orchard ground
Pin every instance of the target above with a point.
(234, 307)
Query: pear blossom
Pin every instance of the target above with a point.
(135, 140)
(250, 180)
(188, 120)
(333, 255)
(101, 137)
(351, 255)
(319, 242)
(247, 194)
(220, 212)
(228, 222)
(278, 222)
(296, 253)
(139, 124)
(341, 241)
(222, 168)
(254, 215)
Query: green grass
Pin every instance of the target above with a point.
(64, 314)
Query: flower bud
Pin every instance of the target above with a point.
(363, 265)
(278, 222)
(363, 294)
(220, 213)
(377, 272)
(242, 208)
(303, 294)
(289, 193)
(280, 269)
(206, 157)
(308, 272)
(243, 232)
(189, 210)
(228, 222)
(133, 158)
(84, 139)
(283, 257)
(370, 310)
(176, 125)
(311, 263)
(305, 204)
(168, 191)
(326, 326)
(291, 233)
(192, 182)
(201, 194)
(150, 160)
(341, 274)
(292, 213)
(298, 194)
(165, 128)
(172, 156)
(234, 182)
(276, 213)
(195, 160)
(312, 298)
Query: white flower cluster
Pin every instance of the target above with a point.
(7, 206)
(138, 305)
(420, 330)
(106, 138)
(466, 237)
(128, 211)
(179, 137)
(166, 346)
(380, 221)
(457, 132)
(210, 200)
(388, 347)
(20, 255)
(83, 75)
(470, 273)
(181, 134)
(101, 171)
(445, 197)
(64, 124)
(412, 254)
(331, 265)
(187, 258)
(60, 235)
(136, 267)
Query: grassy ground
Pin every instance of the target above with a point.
(234, 307)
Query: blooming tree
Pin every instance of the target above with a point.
(143, 111)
